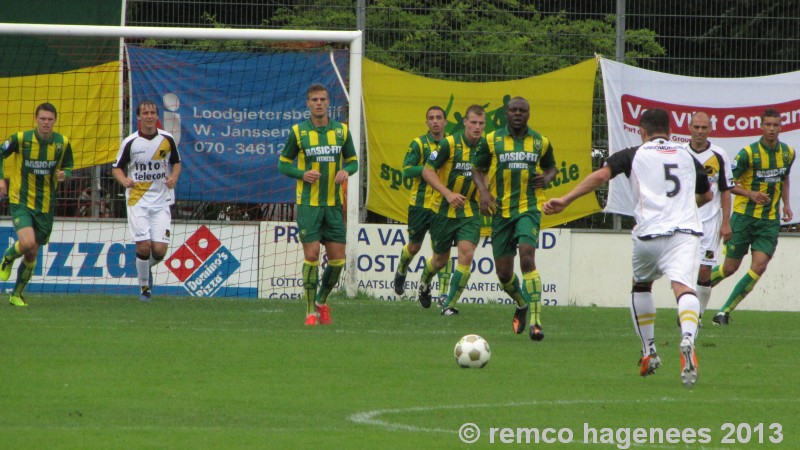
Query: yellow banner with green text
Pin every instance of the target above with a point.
(395, 103)
(88, 105)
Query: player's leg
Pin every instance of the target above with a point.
(442, 231)
(309, 221)
(679, 262)
(444, 276)
(30, 249)
(468, 234)
(758, 266)
(643, 308)
(527, 235)
(139, 226)
(334, 238)
(765, 241)
(504, 250)
(160, 234)
(440, 257)
(709, 249)
(11, 254)
(22, 218)
(160, 219)
(419, 221)
(143, 250)
(734, 249)
(704, 287)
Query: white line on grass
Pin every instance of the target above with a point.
(373, 417)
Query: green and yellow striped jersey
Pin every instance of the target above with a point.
(35, 162)
(454, 169)
(325, 149)
(762, 169)
(511, 164)
(418, 153)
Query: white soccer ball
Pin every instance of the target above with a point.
(472, 352)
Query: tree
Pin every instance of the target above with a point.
(471, 40)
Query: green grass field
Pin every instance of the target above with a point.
(112, 372)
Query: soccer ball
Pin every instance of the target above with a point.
(472, 352)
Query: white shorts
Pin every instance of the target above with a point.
(709, 243)
(674, 256)
(149, 223)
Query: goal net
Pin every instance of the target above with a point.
(229, 97)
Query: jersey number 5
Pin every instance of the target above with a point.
(669, 176)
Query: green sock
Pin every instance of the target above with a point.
(458, 283)
(12, 252)
(24, 274)
(310, 280)
(512, 289)
(717, 275)
(533, 287)
(329, 279)
(444, 278)
(740, 291)
(427, 273)
(405, 260)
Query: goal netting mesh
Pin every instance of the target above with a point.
(229, 97)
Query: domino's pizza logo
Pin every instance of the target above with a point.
(202, 263)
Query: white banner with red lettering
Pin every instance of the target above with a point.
(734, 106)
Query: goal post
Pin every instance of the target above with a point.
(352, 91)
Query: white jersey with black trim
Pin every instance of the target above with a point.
(664, 178)
(718, 168)
(147, 160)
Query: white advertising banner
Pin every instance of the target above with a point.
(379, 252)
(734, 105)
(85, 256)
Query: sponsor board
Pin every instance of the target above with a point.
(379, 249)
(91, 256)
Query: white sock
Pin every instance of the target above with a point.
(142, 271)
(704, 295)
(643, 313)
(153, 261)
(688, 311)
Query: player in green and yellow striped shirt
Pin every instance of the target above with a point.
(325, 158)
(510, 157)
(419, 213)
(761, 172)
(41, 158)
(455, 208)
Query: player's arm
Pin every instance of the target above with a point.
(741, 163)
(286, 164)
(8, 147)
(548, 166)
(122, 160)
(619, 162)
(593, 181)
(67, 164)
(411, 163)
(725, 229)
(787, 209)
(724, 185)
(480, 164)
(174, 163)
(350, 160)
(437, 160)
(702, 188)
(455, 200)
(175, 173)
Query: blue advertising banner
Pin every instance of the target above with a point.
(231, 114)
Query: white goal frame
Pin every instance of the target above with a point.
(354, 94)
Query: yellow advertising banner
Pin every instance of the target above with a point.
(88, 105)
(395, 103)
